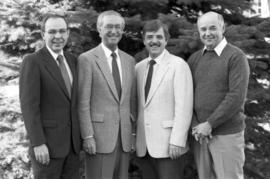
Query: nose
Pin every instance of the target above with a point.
(58, 34)
(114, 29)
(154, 39)
(207, 32)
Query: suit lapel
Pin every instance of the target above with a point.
(104, 66)
(72, 68)
(125, 74)
(159, 76)
(53, 69)
(143, 76)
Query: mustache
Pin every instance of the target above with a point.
(154, 44)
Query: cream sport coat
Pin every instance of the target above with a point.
(166, 115)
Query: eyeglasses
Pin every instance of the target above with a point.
(111, 26)
(54, 32)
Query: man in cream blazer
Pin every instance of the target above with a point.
(165, 108)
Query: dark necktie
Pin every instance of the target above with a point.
(64, 73)
(116, 74)
(149, 78)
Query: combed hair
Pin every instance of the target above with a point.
(155, 25)
(108, 13)
(52, 15)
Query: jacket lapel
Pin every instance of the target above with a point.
(142, 80)
(53, 69)
(159, 76)
(72, 68)
(125, 74)
(103, 65)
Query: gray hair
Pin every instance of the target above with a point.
(108, 13)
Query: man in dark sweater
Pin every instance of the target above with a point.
(220, 74)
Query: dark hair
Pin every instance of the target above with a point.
(52, 16)
(155, 25)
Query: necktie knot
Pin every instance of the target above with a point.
(152, 62)
(60, 58)
(113, 55)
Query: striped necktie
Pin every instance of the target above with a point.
(64, 73)
(116, 74)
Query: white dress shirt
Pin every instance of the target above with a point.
(156, 66)
(108, 53)
(55, 55)
(219, 48)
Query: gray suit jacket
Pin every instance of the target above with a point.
(101, 112)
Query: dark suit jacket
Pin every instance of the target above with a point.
(50, 115)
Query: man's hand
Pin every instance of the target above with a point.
(89, 145)
(175, 151)
(202, 132)
(42, 154)
(203, 129)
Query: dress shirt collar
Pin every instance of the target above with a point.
(157, 59)
(55, 55)
(219, 48)
(107, 51)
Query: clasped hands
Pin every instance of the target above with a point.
(202, 132)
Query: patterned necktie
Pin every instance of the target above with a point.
(116, 74)
(149, 78)
(64, 73)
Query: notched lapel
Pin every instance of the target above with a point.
(103, 65)
(142, 80)
(53, 69)
(125, 75)
(157, 79)
(72, 68)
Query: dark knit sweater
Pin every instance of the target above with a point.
(220, 88)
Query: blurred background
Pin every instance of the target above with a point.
(247, 26)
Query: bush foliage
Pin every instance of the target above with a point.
(20, 34)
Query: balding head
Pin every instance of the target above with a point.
(211, 28)
(212, 15)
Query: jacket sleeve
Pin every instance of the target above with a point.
(183, 100)
(84, 96)
(29, 91)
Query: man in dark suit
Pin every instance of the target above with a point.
(48, 103)
(106, 75)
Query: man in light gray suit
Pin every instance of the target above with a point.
(106, 76)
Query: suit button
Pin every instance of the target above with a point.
(69, 123)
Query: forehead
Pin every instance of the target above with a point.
(208, 20)
(55, 23)
(160, 31)
(112, 19)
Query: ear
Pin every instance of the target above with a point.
(223, 29)
(42, 34)
(144, 41)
